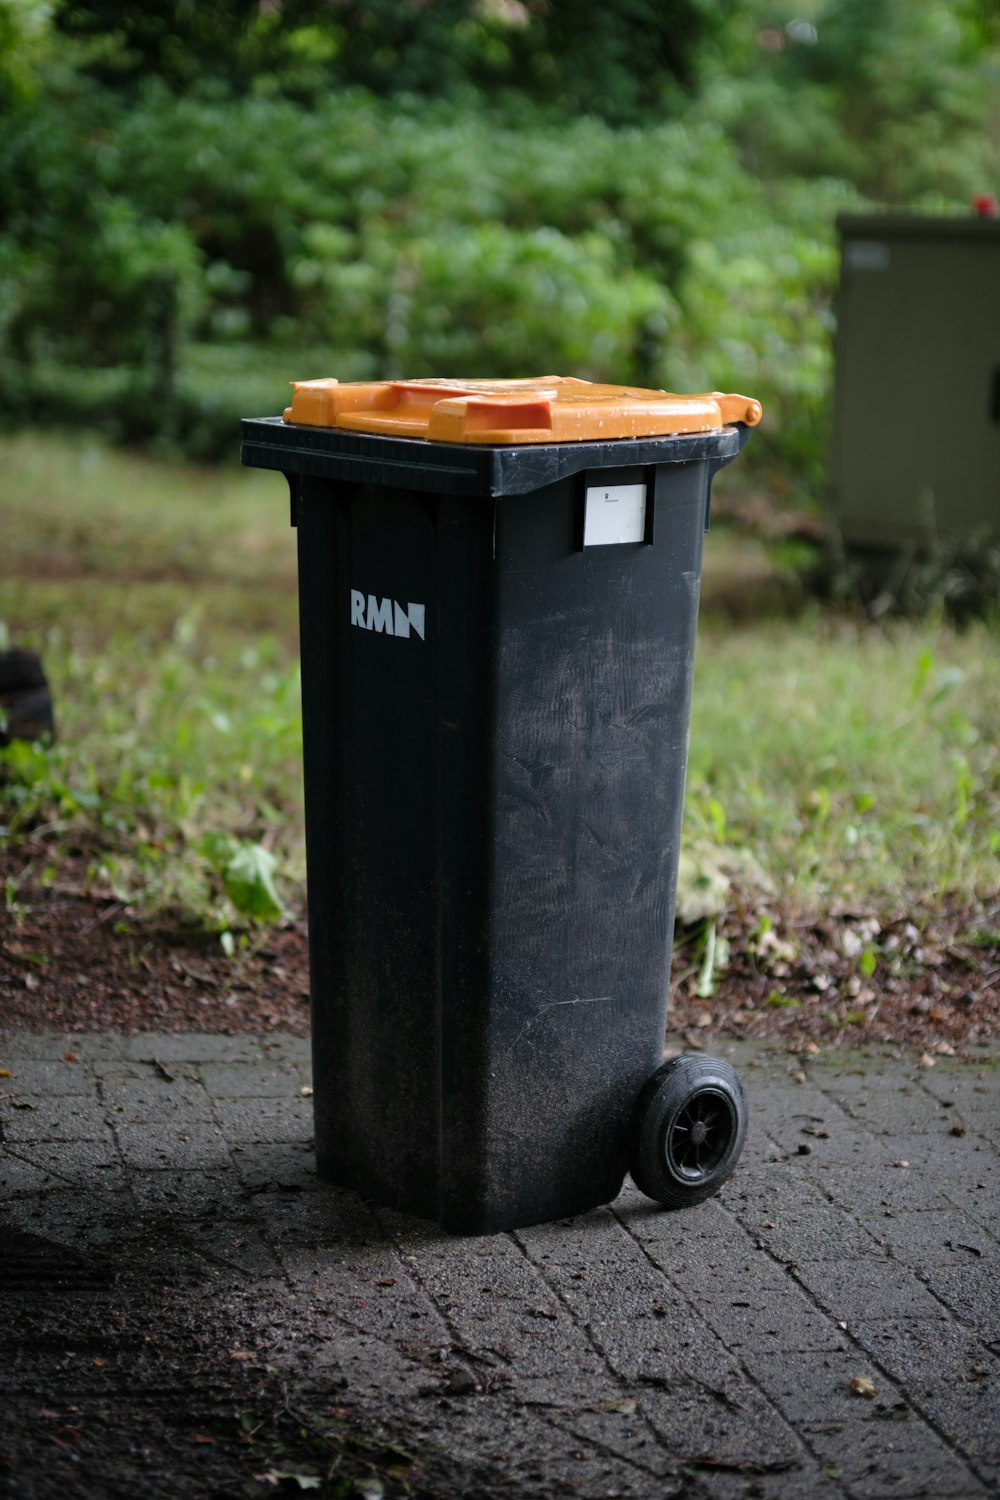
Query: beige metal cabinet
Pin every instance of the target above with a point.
(916, 429)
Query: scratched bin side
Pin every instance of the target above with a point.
(595, 651)
(495, 742)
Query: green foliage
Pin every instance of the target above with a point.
(246, 871)
(159, 739)
(644, 192)
(509, 301)
(617, 61)
(24, 40)
(848, 792)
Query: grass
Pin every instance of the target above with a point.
(834, 765)
(163, 600)
(858, 764)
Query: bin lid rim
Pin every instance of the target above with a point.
(547, 409)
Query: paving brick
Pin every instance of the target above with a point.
(173, 1143)
(863, 1291)
(976, 1193)
(182, 1196)
(969, 1287)
(43, 1077)
(723, 1417)
(314, 1224)
(137, 1101)
(20, 1177)
(906, 1108)
(873, 1195)
(949, 1375)
(234, 1243)
(629, 1350)
(274, 1121)
(195, 1047)
(66, 1118)
(281, 1048)
(287, 1168)
(89, 1048)
(785, 1319)
(924, 1239)
(795, 1223)
(255, 1080)
(884, 1457)
(85, 1163)
(791, 1480)
(943, 1153)
(101, 1220)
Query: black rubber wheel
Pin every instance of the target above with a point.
(689, 1127)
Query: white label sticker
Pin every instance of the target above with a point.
(614, 513)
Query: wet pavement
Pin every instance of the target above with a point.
(828, 1325)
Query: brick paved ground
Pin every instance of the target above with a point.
(627, 1352)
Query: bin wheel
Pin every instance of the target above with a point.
(689, 1128)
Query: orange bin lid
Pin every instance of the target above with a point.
(556, 409)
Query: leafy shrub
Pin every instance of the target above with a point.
(341, 232)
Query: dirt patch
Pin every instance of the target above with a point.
(76, 962)
(932, 985)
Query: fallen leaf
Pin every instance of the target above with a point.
(862, 1386)
(925, 1060)
(304, 1481)
(5, 1073)
(240, 1354)
(306, 1091)
(625, 1405)
(369, 1488)
(201, 1437)
(70, 1057)
(944, 1049)
(957, 1130)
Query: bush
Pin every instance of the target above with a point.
(362, 236)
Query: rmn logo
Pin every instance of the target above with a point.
(386, 615)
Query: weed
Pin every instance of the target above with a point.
(780, 1001)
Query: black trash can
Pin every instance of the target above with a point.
(498, 591)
